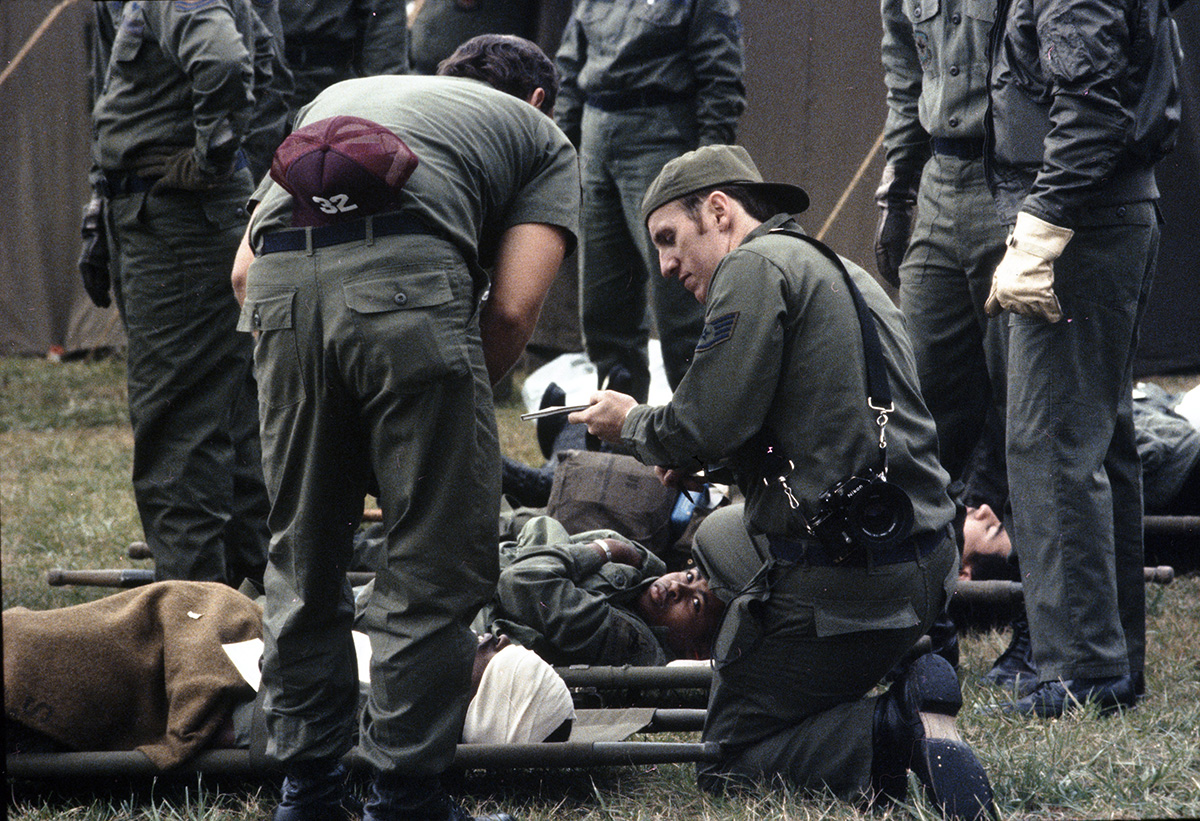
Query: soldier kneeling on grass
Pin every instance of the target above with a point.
(802, 375)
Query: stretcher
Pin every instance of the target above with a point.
(600, 738)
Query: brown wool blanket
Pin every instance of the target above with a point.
(139, 670)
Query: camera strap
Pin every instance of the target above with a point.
(879, 393)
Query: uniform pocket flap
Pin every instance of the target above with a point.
(273, 313)
(416, 290)
(921, 10)
(837, 617)
(223, 212)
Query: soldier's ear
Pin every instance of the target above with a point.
(537, 98)
(720, 204)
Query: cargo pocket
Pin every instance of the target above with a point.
(419, 317)
(741, 629)
(224, 211)
(276, 355)
(837, 617)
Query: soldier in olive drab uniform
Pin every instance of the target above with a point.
(169, 123)
(327, 41)
(441, 26)
(598, 598)
(935, 67)
(1084, 100)
(375, 362)
(777, 391)
(273, 86)
(641, 84)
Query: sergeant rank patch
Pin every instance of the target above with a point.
(717, 331)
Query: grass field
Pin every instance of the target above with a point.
(65, 501)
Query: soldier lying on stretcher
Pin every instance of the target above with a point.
(598, 598)
(145, 669)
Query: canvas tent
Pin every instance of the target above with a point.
(816, 107)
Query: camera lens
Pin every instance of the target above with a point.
(882, 514)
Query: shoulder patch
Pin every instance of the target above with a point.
(717, 331)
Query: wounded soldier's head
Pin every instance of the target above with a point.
(682, 603)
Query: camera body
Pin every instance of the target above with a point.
(864, 510)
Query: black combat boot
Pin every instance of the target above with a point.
(943, 636)
(524, 485)
(399, 798)
(313, 791)
(914, 730)
(1052, 699)
(1015, 669)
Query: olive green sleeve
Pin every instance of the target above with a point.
(906, 141)
(729, 387)
(205, 41)
(715, 50)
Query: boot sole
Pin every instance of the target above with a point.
(932, 686)
(954, 780)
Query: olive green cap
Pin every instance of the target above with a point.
(714, 165)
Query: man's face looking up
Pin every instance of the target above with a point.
(682, 603)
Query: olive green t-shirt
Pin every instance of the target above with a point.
(486, 160)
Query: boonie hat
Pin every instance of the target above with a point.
(342, 168)
(713, 165)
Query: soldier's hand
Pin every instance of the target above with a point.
(678, 479)
(93, 255)
(183, 173)
(1024, 279)
(606, 415)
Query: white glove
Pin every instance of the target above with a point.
(1024, 279)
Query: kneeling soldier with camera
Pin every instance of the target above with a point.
(803, 385)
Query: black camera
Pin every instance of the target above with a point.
(863, 510)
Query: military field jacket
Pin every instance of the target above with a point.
(668, 48)
(1084, 102)
(935, 67)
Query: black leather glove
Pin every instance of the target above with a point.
(93, 257)
(896, 198)
(182, 172)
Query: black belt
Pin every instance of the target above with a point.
(636, 98)
(114, 184)
(382, 225)
(965, 148)
(814, 553)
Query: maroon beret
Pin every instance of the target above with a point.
(342, 168)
